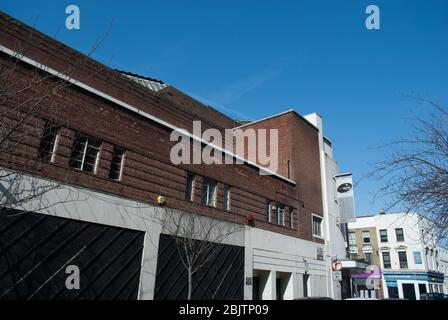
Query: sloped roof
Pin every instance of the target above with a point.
(150, 83)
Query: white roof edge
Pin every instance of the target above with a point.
(277, 115)
(263, 119)
(134, 109)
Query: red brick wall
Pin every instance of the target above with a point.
(148, 171)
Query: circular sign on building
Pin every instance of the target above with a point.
(336, 265)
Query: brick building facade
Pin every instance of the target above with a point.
(110, 134)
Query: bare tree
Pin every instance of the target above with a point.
(26, 94)
(197, 238)
(414, 174)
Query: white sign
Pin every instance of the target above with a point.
(337, 275)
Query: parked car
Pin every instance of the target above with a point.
(361, 299)
(434, 296)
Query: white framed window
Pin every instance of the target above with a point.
(226, 197)
(281, 214)
(85, 153)
(268, 211)
(352, 238)
(116, 164)
(317, 226)
(49, 142)
(366, 236)
(209, 192)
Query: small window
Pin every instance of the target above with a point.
(366, 236)
(281, 214)
(368, 257)
(317, 226)
(383, 235)
(116, 165)
(189, 193)
(291, 218)
(417, 257)
(289, 169)
(49, 142)
(226, 200)
(85, 153)
(320, 254)
(403, 260)
(352, 238)
(400, 234)
(386, 260)
(268, 211)
(209, 193)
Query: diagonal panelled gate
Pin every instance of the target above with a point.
(37, 250)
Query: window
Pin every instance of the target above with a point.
(226, 200)
(291, 218)
(366, 236)
(189, 192)
(209, 193)
(49, 141)
(403, 260)
(353, 250)
(281, 214)
(85, 153)
(386, 260)
(268, 211)
(289, 169)
(317, 226)
(399, 233)
(320, 254)
(116, 164)
(368, 257)
(417, 257)
(352, 238)
(383, 235)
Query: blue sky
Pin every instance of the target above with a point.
(251, 59)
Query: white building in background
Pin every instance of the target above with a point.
(410, 260)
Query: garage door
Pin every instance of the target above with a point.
(40, 253)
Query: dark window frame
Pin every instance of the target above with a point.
(49, 142)
(399, 237)
(84, 149)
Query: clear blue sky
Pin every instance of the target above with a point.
(251, 59)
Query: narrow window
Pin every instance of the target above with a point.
(281, 214)
(320, 254)
(417, 257)
(383, 235)
(289, 169)
(49, 142)
(189, 193)
(226, 200)
(291, 218)
(85, 153)
(386, 260)
(366, 236)
(352, 238)
(403, 260)
(268, 211)
(317, 226)
(209, 193)
(116, 165)
(399, 233)
(368, 257)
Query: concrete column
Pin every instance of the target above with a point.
(270, 289)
